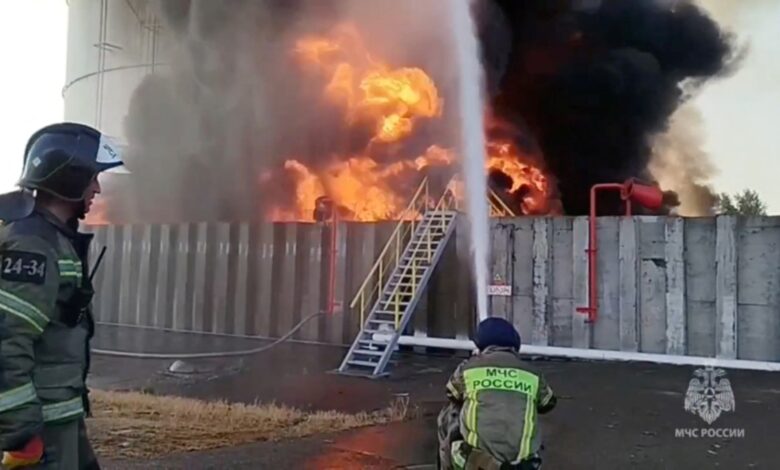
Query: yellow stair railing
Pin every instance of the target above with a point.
(425, 253)
(388, 259)
(371, 288)
(498, 207)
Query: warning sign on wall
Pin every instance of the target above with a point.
(499, 290)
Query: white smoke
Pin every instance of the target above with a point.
(680, 163)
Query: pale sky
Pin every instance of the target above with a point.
(741, 113)
(32, 47)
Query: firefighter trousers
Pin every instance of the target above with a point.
(66, 447)
(448, 433)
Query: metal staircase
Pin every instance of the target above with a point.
(397, 280)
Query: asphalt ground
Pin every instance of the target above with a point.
(609, 415)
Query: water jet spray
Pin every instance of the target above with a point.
(472, 132)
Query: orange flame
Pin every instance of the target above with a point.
(392, 101)
(359, 185)
(536, 186)
(371, 90)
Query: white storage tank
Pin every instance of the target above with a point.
(112, 45)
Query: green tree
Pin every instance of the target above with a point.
(745, 203)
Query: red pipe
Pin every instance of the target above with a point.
(332, 265)
(593, 302)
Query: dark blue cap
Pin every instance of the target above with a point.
(497, 332)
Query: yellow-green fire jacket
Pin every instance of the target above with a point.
(499, 401)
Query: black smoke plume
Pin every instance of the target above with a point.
(585, 83)
(595, 80)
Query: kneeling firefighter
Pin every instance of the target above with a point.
(45, 296)
(491, 420)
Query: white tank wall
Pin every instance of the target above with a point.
(112, 45)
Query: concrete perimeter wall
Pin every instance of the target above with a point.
(252, 279)
(701, 287)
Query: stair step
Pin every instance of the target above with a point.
(354, 362)
(388, 312)
(401, 308)
(389, 300)
(405, 288)
(421, 254)
(373, 323)
(401, 289)
(422, 237)
(416, 264)
(408, 260)
(399, 294)
(418, 255)
(390, 303)
(390, 290)
(404, 284)
(367, 352)
(404, 276)
(406, 279)
(423, 245)
(390, 315)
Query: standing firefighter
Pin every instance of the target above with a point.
(491, 421)
(45, 295)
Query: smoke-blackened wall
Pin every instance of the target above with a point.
(596, 80)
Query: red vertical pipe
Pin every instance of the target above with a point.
(593, 293)
(332, 265)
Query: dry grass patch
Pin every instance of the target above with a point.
(132, 424)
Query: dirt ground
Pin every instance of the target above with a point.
(139, 425)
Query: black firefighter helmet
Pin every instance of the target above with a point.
(60, 159)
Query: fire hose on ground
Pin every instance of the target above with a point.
(209, 355)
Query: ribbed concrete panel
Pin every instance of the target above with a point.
(701, 287)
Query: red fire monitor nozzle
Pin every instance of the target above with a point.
(649, 197)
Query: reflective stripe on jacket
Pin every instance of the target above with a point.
(43, 333)
(500, 398)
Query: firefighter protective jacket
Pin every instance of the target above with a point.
(500, 401)
(45, 326)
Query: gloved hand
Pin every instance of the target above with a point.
(30, 454)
